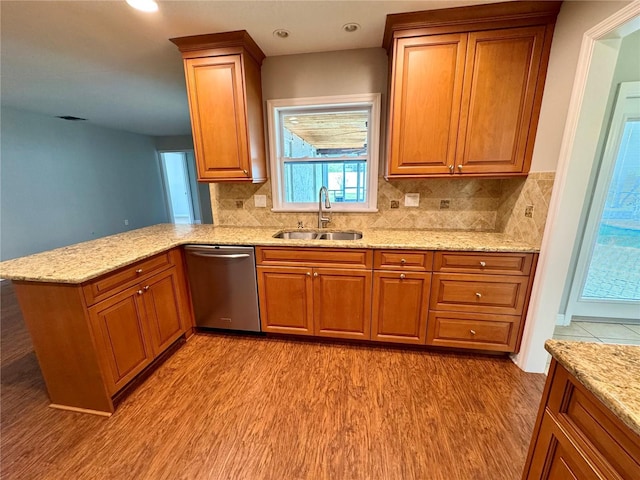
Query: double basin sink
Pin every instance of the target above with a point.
(318, 235)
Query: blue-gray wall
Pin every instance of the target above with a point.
(65, 182)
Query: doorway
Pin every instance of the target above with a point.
(175, 176)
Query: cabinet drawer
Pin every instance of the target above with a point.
(323, 257)
(478, 331)
(584, 417)
(499, 294)
(113, 282)
(402, 260)
(474, 262)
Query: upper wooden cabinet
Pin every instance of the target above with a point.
(466, 87)
(225, 101)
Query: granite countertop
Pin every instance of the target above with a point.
(87, 260)
(610, 372)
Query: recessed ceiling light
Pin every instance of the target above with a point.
(281, 33)
(351, 27)
(143, 5)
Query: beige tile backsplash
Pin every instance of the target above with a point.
(476, 204)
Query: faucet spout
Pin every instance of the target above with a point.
(322, 220)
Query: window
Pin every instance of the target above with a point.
(325, 141)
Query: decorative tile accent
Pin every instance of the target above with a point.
(475, 204)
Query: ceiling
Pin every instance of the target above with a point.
(115, 66)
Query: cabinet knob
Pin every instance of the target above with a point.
(483, 264)
(308, 274)
(146, 288)
(403, 261)
(460, 167)
(315, 274)
(139, 292)
(139, 270)
(245, 172)
(402, 276)
(478, 294)
(473, 332)
(450, 168)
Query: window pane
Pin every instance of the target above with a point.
(345, 180)
(325, 134)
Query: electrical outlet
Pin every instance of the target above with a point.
(412, 200)
(239, 204)
(126, 222)
(395, 204)
(444, 204)
(260, 201)
(528, 211)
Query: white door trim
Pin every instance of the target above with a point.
(572, 179)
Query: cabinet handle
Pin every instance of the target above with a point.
(483, 264)
(308, 274)
(139, 270)
(315, 274)
(245, 172)
(473, 332)
(460, 167)
(478, 294)
(139, 292)
(402, 276)
(403, 261)
(450, 168)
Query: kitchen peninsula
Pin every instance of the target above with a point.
(100, 312)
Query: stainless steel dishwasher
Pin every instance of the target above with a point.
(223, 286)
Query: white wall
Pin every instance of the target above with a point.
(65, 182)
(575, 18)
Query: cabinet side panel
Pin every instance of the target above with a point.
(255, 120)
(56, 318)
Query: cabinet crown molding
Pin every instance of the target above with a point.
(494, 15)
(210, 41)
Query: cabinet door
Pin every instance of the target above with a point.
(342, 303)
(425, 104)
(400, 305)
(218, 117)
(119, 326)
(501, 78)
(285, 297)
(164, 307)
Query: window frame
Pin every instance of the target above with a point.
(369, 101)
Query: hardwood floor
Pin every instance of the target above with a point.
(241, 407)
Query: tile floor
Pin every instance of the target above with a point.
(627, 333)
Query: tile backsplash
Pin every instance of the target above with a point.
(476, 204)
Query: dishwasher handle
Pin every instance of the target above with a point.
(217, 255)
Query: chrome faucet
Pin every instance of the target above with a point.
(322, 221)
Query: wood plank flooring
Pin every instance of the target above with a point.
(241, 407)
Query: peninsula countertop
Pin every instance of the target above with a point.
(610, 372)
(84, 261)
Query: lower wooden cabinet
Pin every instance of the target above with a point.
(400, 306)
(322, 292)
(286, 304)
(576, 436)
(136, 325)
(93, 339)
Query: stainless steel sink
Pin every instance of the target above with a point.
(318, 235)
(339, 236)
(295, 234)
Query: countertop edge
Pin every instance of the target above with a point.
(168, 236)
(602, 389)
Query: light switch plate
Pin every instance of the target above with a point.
(260, 201)
(412, 200)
